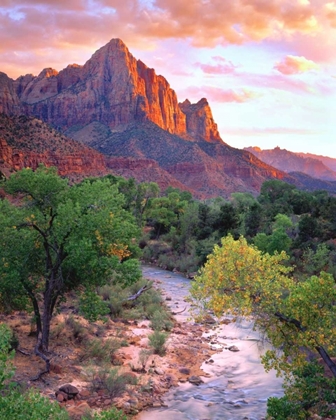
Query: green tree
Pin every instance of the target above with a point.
(59, 238)
(279, 240)
(165, 212)
(240, 279)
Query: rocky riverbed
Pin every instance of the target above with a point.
(232, 383)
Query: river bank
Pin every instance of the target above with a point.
(235, 385)
(209, 371)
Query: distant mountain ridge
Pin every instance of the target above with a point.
(319, 167)
(120, 107)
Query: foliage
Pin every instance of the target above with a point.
(61, 238)
(101, 351)
(30, 406)
(92, 307)
(309, 391)
(15, 404)
(160, 320)
(240, 279)
(111, 414)
(279, 240)
(157, 340)
(6, 355)
(109, 379)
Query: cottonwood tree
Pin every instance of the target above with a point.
(58, 238)
(296, 316)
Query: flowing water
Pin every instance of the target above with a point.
(238, 386)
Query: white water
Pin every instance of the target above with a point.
(238, 387)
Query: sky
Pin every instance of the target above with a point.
(267, 67)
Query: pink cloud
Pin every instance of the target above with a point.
(221, 95)
(223, 66)
(43, 27)
(295, 65)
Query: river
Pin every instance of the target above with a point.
(237, 388)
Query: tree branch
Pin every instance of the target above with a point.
(138, 293)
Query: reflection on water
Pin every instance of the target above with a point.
(238, 387)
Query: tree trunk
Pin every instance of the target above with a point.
(327, 360)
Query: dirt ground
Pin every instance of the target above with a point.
(69, 363)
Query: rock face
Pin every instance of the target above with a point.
(9, 101)
(28, 142)
(112, 87)
(200, 123)
(284, 160)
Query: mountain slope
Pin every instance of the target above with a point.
(284, 160)
(28, 142)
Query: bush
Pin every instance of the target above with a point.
(92, 307)
(143, 358)
(109, 379)
(161, 320)
(77, 328)
(157, 341)
(309, 392)
(113, 296)
(29, 406)
(101, 351)
(112, 414)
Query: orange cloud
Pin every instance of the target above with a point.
(41, 27)
(294, 65)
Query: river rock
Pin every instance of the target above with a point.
(208, 319)
(184, 370)
(196, 380)
(233, 348)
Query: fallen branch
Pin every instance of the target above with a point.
(138, 293)
(179, 312)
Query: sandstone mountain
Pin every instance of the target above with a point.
(313, 165)
(120, 107)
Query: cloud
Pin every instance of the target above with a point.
(223, 66)
(214, 94)
(41, 27)
(295, 65)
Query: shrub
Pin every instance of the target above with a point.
(109, 379)
(157, 340)
(101, 351)
(6, 355)
(161, 320)
(92, 307)
(112, 414)
(309, 392)
(76, 327)
(143, 358)
(30, 406)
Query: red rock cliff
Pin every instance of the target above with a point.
(112, 87)
(200, 123)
